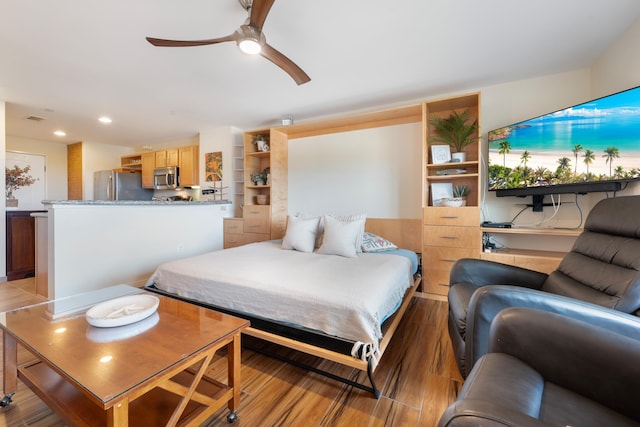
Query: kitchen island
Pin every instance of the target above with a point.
(94, 244)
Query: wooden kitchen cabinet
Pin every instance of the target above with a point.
(148, 161)
(185, 158)
(188, 165)
(20, 245)
(167, 158)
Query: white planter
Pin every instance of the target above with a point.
(459, 157)
(455, 202)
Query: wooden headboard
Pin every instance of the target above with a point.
(405, 233)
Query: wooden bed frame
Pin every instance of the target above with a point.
(405, 233)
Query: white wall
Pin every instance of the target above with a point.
(374, 171)
(619, 67)
(221, 139)
(95, 246)
(56, 162)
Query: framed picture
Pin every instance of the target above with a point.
(213, 166)
(440, 191)
(440, 154)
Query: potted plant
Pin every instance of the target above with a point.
(258, 178)
(455, 131)
(261, 143)
(459, 198)
(14, 179)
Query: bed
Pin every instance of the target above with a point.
(341, 308)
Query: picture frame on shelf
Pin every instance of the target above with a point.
(441, 191)
(440, 154)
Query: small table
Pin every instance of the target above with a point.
(151, 372)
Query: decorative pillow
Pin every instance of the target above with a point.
(374, 243)
(343, 218)
(300, 234)
(320, 226)
(341, 237)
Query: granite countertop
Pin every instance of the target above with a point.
(134, 202)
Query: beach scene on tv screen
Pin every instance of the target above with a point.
(595, 141)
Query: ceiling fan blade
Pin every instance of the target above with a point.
(259, 11)
(185, 43)
(286, 64)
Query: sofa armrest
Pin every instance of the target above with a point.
(488, 301)
(578, 355)
(483, 272)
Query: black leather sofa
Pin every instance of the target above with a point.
(548, 369)
(602, 268)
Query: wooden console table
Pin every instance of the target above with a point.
(153, 373)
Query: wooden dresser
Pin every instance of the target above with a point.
(449, 234)
(253, 227)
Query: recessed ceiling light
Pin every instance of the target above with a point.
(104, 119)
(60, 133)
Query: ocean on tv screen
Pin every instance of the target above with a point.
(595, 141)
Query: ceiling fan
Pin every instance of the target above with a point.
(250, 39)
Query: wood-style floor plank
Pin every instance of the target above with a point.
(417, 376)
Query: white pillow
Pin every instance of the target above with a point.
(343, 218)
(341, 237)
(300, 234)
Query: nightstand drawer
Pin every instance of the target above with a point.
(465, 216)
(231, 240)
(257, 219)
(455, 237)
(443, 258)
(435, 281)
(233, 225)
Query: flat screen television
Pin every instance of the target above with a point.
(589, 147)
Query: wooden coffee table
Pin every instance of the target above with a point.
(149, 373)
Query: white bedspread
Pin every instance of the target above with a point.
(343, 297)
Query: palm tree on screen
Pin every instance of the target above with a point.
(563, 163)
(525, 157)
(610, 154)
(504, 149)
(589, 156)
(577, 149)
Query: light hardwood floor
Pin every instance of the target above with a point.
(417, 376)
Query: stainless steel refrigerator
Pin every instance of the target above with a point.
(110, 185)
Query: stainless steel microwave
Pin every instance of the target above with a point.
(166, 178)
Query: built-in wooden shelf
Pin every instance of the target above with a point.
(535, 231)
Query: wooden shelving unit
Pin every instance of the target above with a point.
(449, 233)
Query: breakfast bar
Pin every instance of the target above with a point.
(95, 244)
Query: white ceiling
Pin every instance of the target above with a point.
(70, 61)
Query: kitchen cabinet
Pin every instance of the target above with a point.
(20, 244)
(189, 166)
(148, 164)
(132, 162)
(167, 158)
(185, 158)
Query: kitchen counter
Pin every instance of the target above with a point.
(134, 202)
(95, 244)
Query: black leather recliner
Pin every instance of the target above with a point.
(603, 268)
(547, 369)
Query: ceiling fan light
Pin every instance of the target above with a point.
(250, 46)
